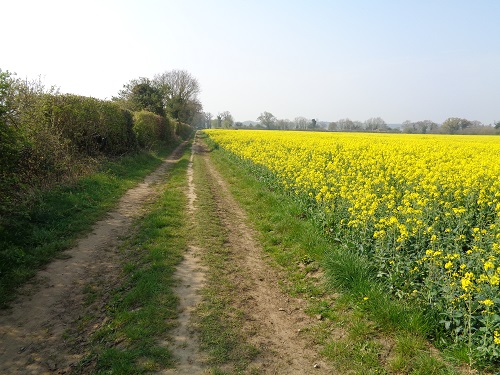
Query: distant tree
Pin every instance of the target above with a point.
(497, 124)
(408, 127)
(375, 123)
(332, 126)
(428, 126)
(421, 127)
(322, 125)
(199, 121)
(216, 122)
(345, 124)
(267, 119)
(357, 125)
(300, 122)
(226, 120)
(283, 124)
(207, 116)
(453, 125)
(313, 124)
(476, 124)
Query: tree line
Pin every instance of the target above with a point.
(267, 120)
(48, 138)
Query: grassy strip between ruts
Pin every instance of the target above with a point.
(363, 330)
(217, 317)
(53, 222)
(143, 308)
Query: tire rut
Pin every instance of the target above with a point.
(275, 319)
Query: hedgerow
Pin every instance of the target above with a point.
(49, 138)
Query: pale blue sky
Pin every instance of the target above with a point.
(400, 60)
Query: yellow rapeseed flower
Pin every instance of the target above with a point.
(488, 265)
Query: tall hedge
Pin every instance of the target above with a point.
(48, 138)
(151, 129)
(183, 130)
(94, 126)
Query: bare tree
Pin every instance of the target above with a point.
(226, 119)
(375, 123)
(301, 122)
(332, 126)
(208, 119)
(345, 124)
(284, 124)
(267, 119)
(180, 94)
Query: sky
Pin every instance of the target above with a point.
(395, 59)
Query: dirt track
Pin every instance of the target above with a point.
(274, 319)
(32, 333)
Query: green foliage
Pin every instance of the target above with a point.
(151, 129)
(93, 126)
(10, 142)
(183, 130)
(49, 140)
(142, 95)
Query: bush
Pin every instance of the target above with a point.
(94, 126)
(151, 129)
(183, 130)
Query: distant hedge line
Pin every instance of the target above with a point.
(46, 139)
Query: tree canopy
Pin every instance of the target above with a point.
(139, 94)
(180, 91)
(267, 119)
(173, 93)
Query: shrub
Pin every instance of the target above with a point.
(183, 130)
(151, 129)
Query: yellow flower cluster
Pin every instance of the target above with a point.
(425, 208)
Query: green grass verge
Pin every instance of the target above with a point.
(55, 218)
(143, 309)
(374, 327)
